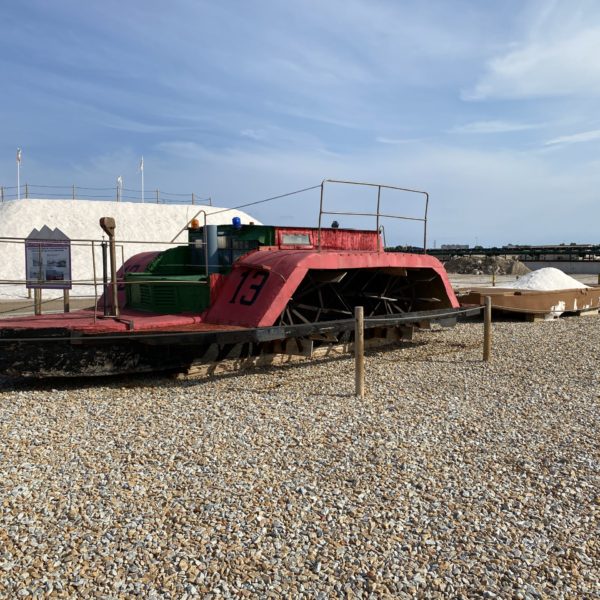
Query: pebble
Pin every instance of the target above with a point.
(451, 478)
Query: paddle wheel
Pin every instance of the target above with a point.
(329, 295)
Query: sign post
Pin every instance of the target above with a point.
(108, 225)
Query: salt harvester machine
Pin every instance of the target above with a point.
(234, 291)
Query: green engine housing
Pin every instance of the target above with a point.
(176, 281)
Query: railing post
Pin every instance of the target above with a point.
(1, 194)
(26, 190)
(95, 281)
(113, 277)
(105, 277)
(359, 352)
(377, 217)
(157, 196)
(73, 191)
(425, 223)
(320, 217)
(193, 199)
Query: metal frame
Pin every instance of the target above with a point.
(376, 214)
(567, 253)
(220, 336)
(27, 354)
(204, 239)
(93, 244)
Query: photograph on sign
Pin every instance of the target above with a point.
(48, 265)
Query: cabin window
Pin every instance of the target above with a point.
(231, 248)
(295, 239)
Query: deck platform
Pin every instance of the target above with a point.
(536, 304)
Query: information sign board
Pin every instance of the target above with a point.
(48, 259)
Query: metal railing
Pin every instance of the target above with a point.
(117, 194)
(377, 214)
(94, 279)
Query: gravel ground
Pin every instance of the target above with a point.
(452, 478)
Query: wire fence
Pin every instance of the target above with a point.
(116, 194)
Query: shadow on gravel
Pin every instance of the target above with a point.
(146, 380)
(50, 384)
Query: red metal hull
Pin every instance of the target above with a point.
(262, 283)
(254, 294)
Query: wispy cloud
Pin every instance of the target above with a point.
(558, 57)
(324, 115)
(493, 127)
(254, 134)
(576, 138)
(395, 141)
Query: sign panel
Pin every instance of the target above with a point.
(48, 261)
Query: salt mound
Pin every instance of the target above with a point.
(144, 224)
(547, 279)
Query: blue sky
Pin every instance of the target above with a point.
(491, 107)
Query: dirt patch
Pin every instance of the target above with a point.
(485, 265)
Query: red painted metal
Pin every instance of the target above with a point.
(262, 283)
(132, 321)
(135, 264)
(331, 239)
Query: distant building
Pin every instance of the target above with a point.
(455, 246)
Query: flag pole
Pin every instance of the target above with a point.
(18, 173)
(142, 171)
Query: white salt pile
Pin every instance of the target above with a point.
(547, 279)
(145, 224)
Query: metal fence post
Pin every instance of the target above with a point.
(26, 191)
(157, 196)
(95, 281)
(105, 277)
(73, 191)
